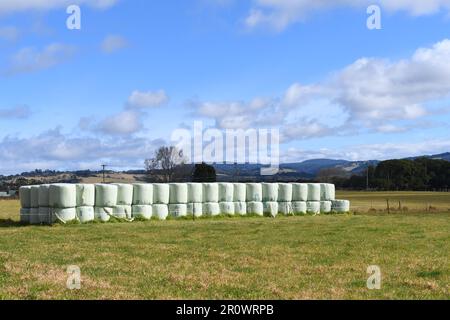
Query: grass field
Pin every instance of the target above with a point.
(321, 257)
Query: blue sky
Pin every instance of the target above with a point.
(137, 70)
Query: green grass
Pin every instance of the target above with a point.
(306, 257)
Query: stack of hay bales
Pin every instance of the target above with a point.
(211, 199)
(195, 199)
(87, 202)
(254, 199)
(178, 198)
(239, 198)
(63, 202)
(142, 201)
(161, 197)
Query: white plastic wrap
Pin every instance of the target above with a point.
(178, 210)
(226, 192)
(103, 213)
(325, 206)
(142, 211)
(25, 197)
(270, 192)
(34, 196)
(178, 193)
(85, 195)
(254, 192)
(284, 192)
(43, 195)
(226, 208)
(270, 208)
(85, 214)
(122, 211)
(65, 215)
(195, 209)
(240, 192)
(25, 215)
(340, 206)
(105, 195)
(255, 207)
(160, 211)
(211, 209)
(299, 207)
(63, 196)
(161, 193)
(124, 194)
(240, 208)
(210, 192)
(313, 207)
(142, 194)
(285, 208)
(313, 192)
(299, 192)
(195, 192)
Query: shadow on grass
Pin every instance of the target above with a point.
(8, 223)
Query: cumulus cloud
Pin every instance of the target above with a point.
(368, 95)
(17, 112)
(9, 33)
(12, 6)
(31, 59)
(54, 149)
(279, 14)
(113, 43)
(148, 99)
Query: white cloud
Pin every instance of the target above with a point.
(148, 99)
(279, 14)
(12, 6)
(368, 95)
(9, 33)
(31, 59)
(17, 112)
(113, 43)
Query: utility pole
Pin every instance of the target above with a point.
(103, 170)
(367, 179)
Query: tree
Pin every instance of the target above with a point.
(204, 173)
(165, 163)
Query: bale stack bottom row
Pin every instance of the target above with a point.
(50, 203)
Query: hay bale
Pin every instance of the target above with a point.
(195, 192)
(325, 206)
(142, 194)
(34, 196)
(239, 192)
(327, 192)
(178, 193)
(178, 210)
(85, 195)
(226, 208)
(65, 215)
(254, 193)
(285, 208)
(105, 195)
(299, 207)
(63, 196)
(25, 215)
(299, 192)
(255, 207)
(160, 211)
(43, 195)
(226, 192)
(195, 209)
(211, 208)
(270, 208)
(313, 207)
(161, 194)
(122, 211)
(103, 213)
(25, 197)
(240, 208)
(313, 192)
(284, 192)
(210, 192)
(45, 214)
(142, 211)
(340, 206)
(85, 214)
(124, 194)
(269, 192)
(34, 216)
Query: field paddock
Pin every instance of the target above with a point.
(304, 257)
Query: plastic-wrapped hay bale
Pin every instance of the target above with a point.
(313, 207)
(43, 195)
(103, 213)
(195, 209)
(226, 208)
(285, 208)
(25, 196)
(195, 192)
(122, 211)
(331, 192)
(34, 196)
(299, 207)
(254, 192)
(240, 208)
(211, 209)
(85, 195)
(142, 211)
(255, 207)
(160, 211)
(178, 210)
(340, 206)
(270, 208)
(45, 215)
(284, 192)
(210, 192)
(313, 192)
(62, 196)
(85, 214)
(178, 193)
(161, 193)
(240, 192)
(65, 215)
(299, 192)
(142, 194)
(124, 194)
(269, 192)
(105, 195)
(327, 192)
(226, 192)
(25, 215)
(325, 206)
(34, 216)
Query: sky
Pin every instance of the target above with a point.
(116, 89)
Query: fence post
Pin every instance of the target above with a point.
(388, 208)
